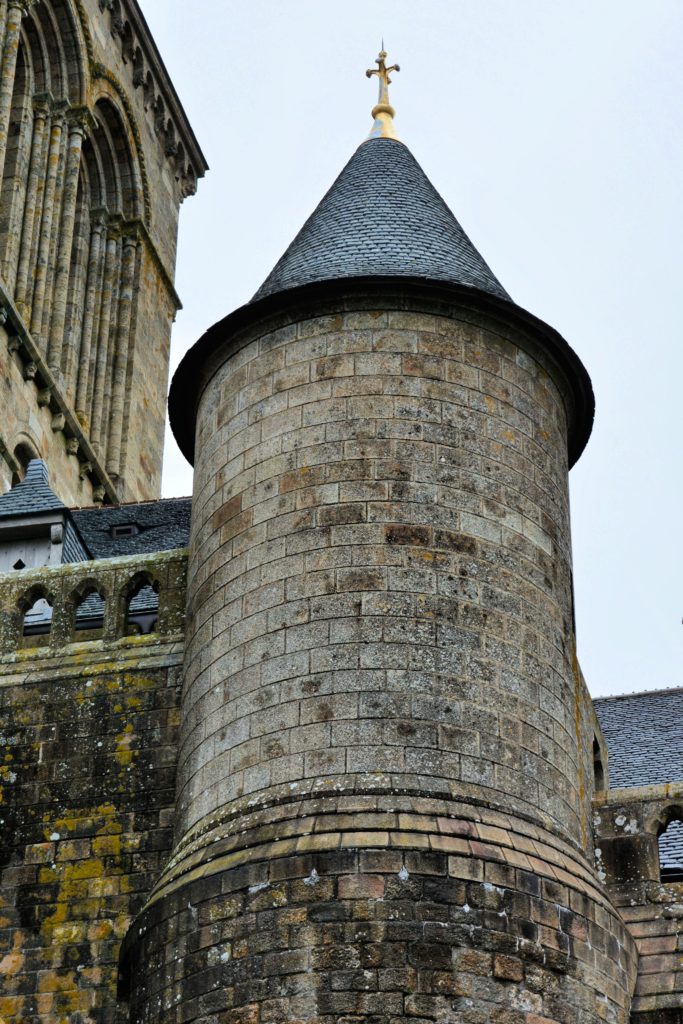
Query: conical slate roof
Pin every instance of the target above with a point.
(32, 495)
(382, 217)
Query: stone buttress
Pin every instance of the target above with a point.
(385, 768)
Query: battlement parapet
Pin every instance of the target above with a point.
(116, 581)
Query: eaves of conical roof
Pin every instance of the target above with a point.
(384, 218)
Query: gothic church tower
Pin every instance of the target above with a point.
(96, 154)
(385, 761)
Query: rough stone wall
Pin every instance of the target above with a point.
(87, 768)
(357, 909)
(380, 567)
(25, 421)
(627, 823)
(383, 771)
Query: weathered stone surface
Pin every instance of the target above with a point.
(88, 747)
(87, 245)
(386, 749)
(627, 824)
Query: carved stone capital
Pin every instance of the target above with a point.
(98, 494)
(114, 227)
(43, 102)
(30, 370)
(84, 469)
(21, 5)
(81, 119)
(72, 446)
(58, 422)
(60, 111)
(44, 396)
(4, 314)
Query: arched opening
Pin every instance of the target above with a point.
(42, 16)
(104, 145)
(88, 612)
(671, 848)
(141, 599)
(124, 168)
(73, 50)
(598, 767)
(36, 612)
(24, 453)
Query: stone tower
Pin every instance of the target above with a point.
(96, 154)
(386, 753)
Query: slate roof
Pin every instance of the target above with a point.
(163, 525)
(671, 847)
(644, 734)
(32, 496)
(381, 217)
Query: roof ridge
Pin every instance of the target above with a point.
(127, 504)
(638, 693)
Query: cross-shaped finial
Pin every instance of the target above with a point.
(382, 71)
(383, 112)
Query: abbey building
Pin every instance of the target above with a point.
(313, 746)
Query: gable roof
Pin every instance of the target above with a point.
(381, 217)
(644, 735)
(162, 525)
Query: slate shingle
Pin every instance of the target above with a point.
(644, 734)
(382, 217)
(33, 495)
(163, 525)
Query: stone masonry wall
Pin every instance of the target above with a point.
(386, 745)
(87, 769)
(627, 823)
(380, 568)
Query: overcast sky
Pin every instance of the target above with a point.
(553, 130)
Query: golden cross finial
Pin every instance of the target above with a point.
(383, 112)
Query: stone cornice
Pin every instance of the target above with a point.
(173, 104)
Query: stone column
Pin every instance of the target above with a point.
(42, 105)
(15, 12)
(88, 332)
(78, 121)
(127, 279)
(111, 266)
(53, 162)
(41, 113)
(3, 21)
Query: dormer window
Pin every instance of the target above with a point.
(124, 530)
